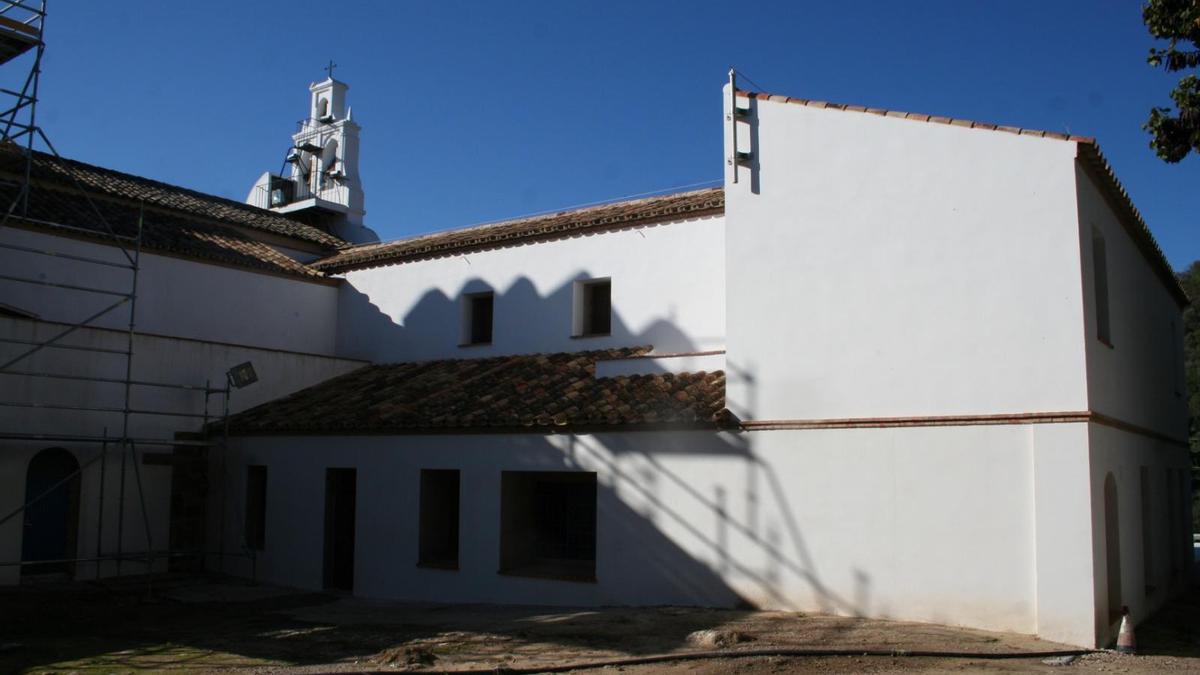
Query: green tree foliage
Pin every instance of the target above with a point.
(1178, 22)
(1190, 279)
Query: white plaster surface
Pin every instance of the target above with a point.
(176, 297)
(668, 288)
(886, 267)
(884, 522)
(156, 359)
(1139, 377)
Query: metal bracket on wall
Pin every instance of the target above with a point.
(736, 157)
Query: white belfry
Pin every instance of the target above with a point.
(320, 181)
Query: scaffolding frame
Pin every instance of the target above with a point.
(22, 24)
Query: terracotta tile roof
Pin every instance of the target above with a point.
(49, 170)
(531, 392)
(164, 230)
(525, 230)
(1088, 153)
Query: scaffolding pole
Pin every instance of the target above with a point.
(22, 25)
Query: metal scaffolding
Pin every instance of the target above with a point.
(22, 24)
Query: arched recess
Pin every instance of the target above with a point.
(328, 161)
(51, 525)
(1112, 547)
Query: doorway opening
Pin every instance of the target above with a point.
(1112, 548)
(340, 497)
(51, 525)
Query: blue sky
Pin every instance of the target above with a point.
(479, 111)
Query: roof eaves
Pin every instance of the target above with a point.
(500, 234)
(1098, 167)
(139, 188)
(918, 117)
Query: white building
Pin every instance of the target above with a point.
(897, 366)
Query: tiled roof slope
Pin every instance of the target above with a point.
(531, 392)
(1088, 153)
(525, 230)
(95, 179)
(164, 230)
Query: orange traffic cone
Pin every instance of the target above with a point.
(1126, 643)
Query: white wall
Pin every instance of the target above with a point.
(176, 297)
(177, 361)
(668, 290)
(1144, 588)
(1139, 378)
(927, 524)
(886, 267)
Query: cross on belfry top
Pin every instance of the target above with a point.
(329, 68)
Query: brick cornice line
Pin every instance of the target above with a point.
(1059, 417)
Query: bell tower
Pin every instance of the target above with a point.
(319, 181)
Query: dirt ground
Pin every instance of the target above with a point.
(203, 624)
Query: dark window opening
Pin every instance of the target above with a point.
(548, 524)
(595, 308)
(1147, 532)
(438, 546)
(340, 504)
(256, 507)
(1112, 548)
(1100, 281)
(477, 317)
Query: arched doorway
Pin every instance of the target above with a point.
(52, 523)
(1112, 547)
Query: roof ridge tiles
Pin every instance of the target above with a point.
(539, 227)
(53, 170)
(915, 116)
(540, 391)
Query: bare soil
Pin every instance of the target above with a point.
(205, 624)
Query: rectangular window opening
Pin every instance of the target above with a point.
(438, 543)
(1147, 534)
(477, 313)
(548, 524)
(256, 507)
(1176, 360)
(592, 308)
(1173, 527)
(1100, 287)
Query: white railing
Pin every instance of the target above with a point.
(284, 191)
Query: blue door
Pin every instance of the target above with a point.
(52, 523)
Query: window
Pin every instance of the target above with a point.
(1147, 534)
(1112, 547)
(1173, 345)
(256, 507)
(592, 313)
(1173, 527)
(548, 524)
(477, 319)
(1100, 286)
(438, 546)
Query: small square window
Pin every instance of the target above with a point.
(477, 319)
(592, 314)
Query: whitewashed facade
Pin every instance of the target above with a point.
(929, 405)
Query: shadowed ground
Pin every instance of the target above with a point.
(197, 624)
